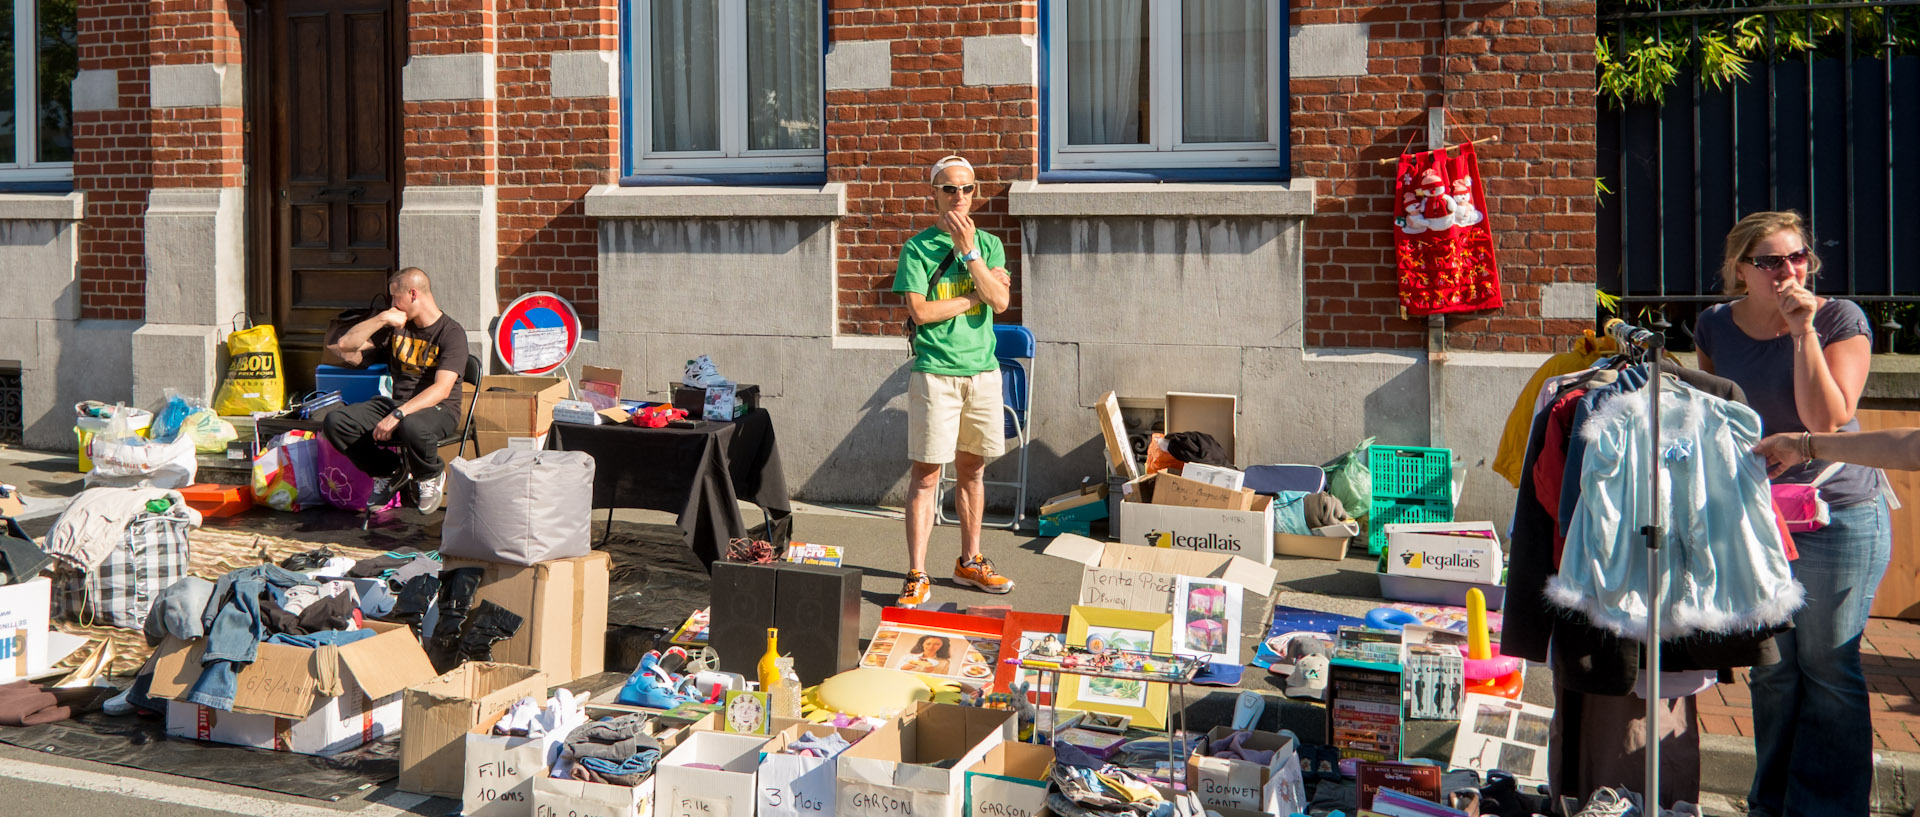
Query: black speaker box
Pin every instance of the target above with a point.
(742, 609)
(818, 613)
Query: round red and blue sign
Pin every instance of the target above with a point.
(536, 334)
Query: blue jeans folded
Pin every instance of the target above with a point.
(630, 772)
(234, 630)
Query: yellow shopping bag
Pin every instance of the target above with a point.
(254, 380)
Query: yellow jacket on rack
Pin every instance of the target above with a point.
(1513, 439)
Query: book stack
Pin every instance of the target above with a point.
(1366, 710)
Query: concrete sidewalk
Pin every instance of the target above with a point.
(873, 541)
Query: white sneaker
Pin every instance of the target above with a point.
(432, 492)
(700, 374)
(1611, 802)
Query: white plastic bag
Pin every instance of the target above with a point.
(124, 459)
(208, 432)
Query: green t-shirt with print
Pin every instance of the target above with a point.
(962, 345)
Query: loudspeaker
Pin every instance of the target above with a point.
(818, 613)
(742, 602)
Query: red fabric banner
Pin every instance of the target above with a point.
(1441, 237)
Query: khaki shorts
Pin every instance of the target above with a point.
(948, 413)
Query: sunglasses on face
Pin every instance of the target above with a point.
(1771, 263)
(954, 189)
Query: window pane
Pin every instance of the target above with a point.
(7, 124)
(783, 75)
(1223, 65)
(1107, 72)
(59, 58)
(686, 45)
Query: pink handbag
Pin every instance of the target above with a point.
(343, 484)
(1801, 506)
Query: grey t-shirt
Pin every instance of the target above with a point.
(1764, 370)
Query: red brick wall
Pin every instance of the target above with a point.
(881, 142)
(450, 142)
(121, 154)
(1522, 71)
(551, 151)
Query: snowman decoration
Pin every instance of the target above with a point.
(1428, 207)
(1464, 213)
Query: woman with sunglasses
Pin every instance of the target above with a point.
(1802, 361)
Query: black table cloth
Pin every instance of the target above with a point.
(699, 473)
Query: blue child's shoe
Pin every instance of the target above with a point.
(650, 686)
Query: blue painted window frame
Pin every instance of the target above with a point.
(630, 178)
(1282, 172)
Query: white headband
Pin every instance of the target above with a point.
(943, 164)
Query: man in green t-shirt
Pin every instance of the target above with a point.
(954, 280)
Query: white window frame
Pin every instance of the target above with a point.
(1168, 151)
(26, 99)
(733, 155)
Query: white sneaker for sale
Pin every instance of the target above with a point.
(432, 492)
(701, 374)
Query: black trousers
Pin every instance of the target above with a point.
(350, 430)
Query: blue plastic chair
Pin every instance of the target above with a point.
(1013, 346)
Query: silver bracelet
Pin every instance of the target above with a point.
(1806, 445)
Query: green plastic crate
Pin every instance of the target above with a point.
(1390, 512)
(1410, 484)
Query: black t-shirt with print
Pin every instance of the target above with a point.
(414, 354)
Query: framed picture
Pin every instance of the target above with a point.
(747, 712)
(949, 645)
(1025, 634)
(1496, 733)
(1099, 628)
(1207, 619)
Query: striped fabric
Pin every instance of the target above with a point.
(152, 556)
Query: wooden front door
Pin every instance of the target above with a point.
(324, 125)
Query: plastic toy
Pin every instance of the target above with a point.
(1390, 618)
(1488, 672)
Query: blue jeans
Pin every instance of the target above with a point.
(234, 631)
(1813, 734)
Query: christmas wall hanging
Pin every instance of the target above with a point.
(1441, 237)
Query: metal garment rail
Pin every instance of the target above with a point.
(1651, 346)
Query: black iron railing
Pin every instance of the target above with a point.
(1825, 121)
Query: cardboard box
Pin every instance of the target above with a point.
(797, 785)
(499, 771)
(1438, 591)
(1130, 577)
(1275, 788)
(1245, 533)
(601, 386)
(1074, 511)
(1216, 414)
(23, 628)
(524, 409)
(681, 789)
(1172, 489)
(1010, 780)
(1231, 479)
(487, 442)
(564, 602)
(441, 711)
(341, 723)
(1113, 428)
(1311, 547)
(12, 504)
(281, 680)
(1454, 551)
(916, 764)
(574, 798)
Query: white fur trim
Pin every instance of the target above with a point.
(1678, 620)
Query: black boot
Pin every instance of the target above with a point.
(456, 598)
(489, 624)
(410, 607)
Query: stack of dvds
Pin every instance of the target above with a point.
(1366, 711)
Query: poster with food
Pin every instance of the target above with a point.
(968, 651)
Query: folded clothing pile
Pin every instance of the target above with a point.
(1082, 785)
(819, 746)
(552, 721)
(620, 751)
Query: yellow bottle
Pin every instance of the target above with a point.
(769, 670)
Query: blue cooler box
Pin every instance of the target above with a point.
(354, 385)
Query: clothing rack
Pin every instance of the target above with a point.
(1650, 346)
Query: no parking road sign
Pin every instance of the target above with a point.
(536, 334)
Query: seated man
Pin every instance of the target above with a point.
(426, 354)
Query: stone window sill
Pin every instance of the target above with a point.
(42, 206)
(1028, 199)
(613, 201)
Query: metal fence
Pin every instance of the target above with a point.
(1832, 131)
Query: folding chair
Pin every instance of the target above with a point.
(470, 376)
(1012, 344)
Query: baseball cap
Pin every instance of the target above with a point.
(1309, 678)
(1289, 648)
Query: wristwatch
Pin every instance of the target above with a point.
(971, 256)
(397, 414)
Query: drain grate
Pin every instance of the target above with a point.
(12, 425)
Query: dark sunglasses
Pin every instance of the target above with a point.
(1773, 262)
(955, 189)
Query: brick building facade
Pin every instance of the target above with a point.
(519, 168)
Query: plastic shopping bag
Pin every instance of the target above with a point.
(254, 381)
(285, 474)
(174, 410)
(124, 459)
(343, 484)
(208, 432)
(1350, 479)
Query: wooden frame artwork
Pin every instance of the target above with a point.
(1023, 632)
(1145, 702)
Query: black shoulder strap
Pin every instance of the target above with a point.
(938, 273)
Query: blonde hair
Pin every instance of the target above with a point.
(1752, 230)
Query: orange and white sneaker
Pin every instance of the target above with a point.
(918, 589)
(978, 572)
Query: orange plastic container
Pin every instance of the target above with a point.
(218, 500)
